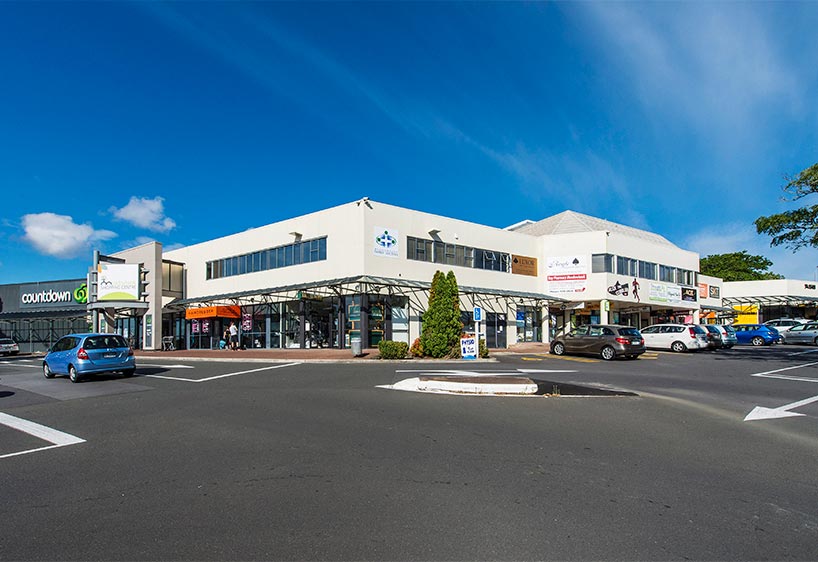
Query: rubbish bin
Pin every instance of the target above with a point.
(356, 347)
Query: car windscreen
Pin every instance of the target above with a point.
(631, 332)
(104, 342)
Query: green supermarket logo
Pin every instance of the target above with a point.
(81, 293)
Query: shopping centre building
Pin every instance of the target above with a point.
(362, 270)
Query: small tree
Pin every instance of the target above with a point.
(737, 266)
(441, 322)
(797, 228)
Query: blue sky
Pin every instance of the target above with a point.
(181, 122)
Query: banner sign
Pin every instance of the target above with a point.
(468, 347)
(567, 275)
(666, 294)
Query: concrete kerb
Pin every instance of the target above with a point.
(359, 361)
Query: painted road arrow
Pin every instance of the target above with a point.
(761, 413)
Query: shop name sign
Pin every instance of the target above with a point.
(55, 294)
(523, 265)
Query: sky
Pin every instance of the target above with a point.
(181, 122)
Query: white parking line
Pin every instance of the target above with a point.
(55, 437)
(222, 376)
(773, 375)
(802, 352)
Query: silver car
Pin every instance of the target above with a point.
(801, 333)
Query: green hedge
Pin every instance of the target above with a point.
(393, 349)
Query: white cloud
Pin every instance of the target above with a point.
(59, 236)
(145, 213)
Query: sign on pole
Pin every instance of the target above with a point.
(478, 314)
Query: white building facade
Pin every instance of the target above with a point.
(363, 269)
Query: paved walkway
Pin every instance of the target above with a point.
(325, 354)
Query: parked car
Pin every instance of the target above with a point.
(756, 334)
(676, 337)
(609, 341)
(78, 355)
(785, 322)
(728, 335)
(8, 347)
(802, 333)
(714, 336)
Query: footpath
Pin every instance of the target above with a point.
(314, 354)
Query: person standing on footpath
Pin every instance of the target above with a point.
(234, 336)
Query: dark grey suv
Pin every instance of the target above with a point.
(609, 341)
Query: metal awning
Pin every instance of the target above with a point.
(717, 308)
(347, 286)
(44, 313)
(772, 300)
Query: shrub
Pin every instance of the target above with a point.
(393, 349)
(417, 348)
(483, 350)
(441, 322)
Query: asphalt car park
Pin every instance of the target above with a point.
(240, 460)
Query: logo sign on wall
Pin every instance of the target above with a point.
(715, 292)
(56, 294)
(688, 294)
(118, 282)
(386, 242)
(567, 274)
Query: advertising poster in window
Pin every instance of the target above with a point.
(567, 275)
(118, 282)
(665, 294)
(386, 242)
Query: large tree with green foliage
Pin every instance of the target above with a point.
(738, 266)
(798, 228)
(441, 321)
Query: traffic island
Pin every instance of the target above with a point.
(498, 386)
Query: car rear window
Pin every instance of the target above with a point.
(698, 329)
(104, 342)
(6, 340)
(629, 332)
(729, 329)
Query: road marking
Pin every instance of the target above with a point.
(55, 437)
(29, 366)
(222, 376)
(761, 413)
(769, 373)
(802, 352)
(166, 366)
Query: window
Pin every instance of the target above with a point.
(647, 270)
(602, 263)
(667, 274)
(306, 251)
(626, 266)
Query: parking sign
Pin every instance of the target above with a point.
(478, 314)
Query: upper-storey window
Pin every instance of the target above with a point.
(627, 266)
(647, 270)
(421, 249)
(602, 263)
(305, 251)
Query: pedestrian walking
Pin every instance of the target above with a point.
(234, 336)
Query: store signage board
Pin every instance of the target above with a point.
(386, 242)
(118, 282)
(567, 275)
(523, 265)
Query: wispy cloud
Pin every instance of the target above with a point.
(59, 236)
(735, 237)
(145, 213)
(712, 66)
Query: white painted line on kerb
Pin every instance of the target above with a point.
(223, 376)
(55, 437)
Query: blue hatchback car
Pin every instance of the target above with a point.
(78, 355)
(756, 334)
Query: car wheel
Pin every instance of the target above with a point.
(607, 353)
(73, 374)
(678, 347)
(128, 372)
(47, 372)
(559, 349)
(758, 340)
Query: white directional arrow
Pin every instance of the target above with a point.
(761, 413)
